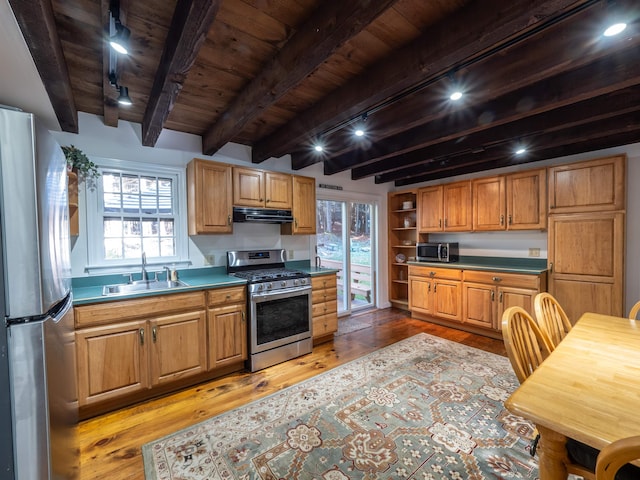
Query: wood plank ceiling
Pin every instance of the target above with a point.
(279, 75)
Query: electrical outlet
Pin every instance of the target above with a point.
(290, 255)
(210, 259)
(534, 252)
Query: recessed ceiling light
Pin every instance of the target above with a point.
(615, 29)
(521, 150)
(457, 95)
(318, 148)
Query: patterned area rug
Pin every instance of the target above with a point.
(423, 408)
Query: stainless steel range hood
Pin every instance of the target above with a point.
(261, 215)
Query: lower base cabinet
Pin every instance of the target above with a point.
(470, 299)
(130, 350)
(324, 307)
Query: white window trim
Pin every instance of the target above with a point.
(96, 264)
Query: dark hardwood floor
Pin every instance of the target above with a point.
(110, 445)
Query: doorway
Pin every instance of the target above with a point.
(344, 241)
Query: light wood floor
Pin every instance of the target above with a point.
(110, 445)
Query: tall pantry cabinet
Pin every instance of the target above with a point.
(586, 236)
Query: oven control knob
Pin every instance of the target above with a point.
(295, 282)
(269, 286)
(303, 281)
(260, 287)
(283, 283)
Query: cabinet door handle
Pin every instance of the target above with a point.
(500, 300)
(228, 219)
(445, 223)
(243, 319)
(510, 219)
(496, 279)
(551, 267)
(295, 221)
(429, 289)
(440, 223)
(435, 287)
(154, 334)
(141, 333)
(501, 219)
(268, 200)
(493, 296)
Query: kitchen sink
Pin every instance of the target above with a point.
(141, 286)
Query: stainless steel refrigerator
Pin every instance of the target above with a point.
(38, 405)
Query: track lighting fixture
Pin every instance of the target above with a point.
(123, 97)
(118, 33)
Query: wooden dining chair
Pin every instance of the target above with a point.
(633, 313)
(613, 460)
(526, 343)
(551, 317)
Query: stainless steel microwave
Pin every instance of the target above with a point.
(437, 252)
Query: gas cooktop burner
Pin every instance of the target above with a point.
(270, 274)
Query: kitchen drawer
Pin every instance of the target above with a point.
(323, 281)
(324, 295)
(325, 308)
(434, 272)
(225, 296)
(325, 324)
(121, 310)
(506, 279)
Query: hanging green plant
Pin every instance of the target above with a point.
(78, 161)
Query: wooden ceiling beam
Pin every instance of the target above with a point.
(484, 80)
(328, 28)
(615, 120)
(38, 26)
(191, 22)
(570, 141)
(109, 59)
(610, 74)
(476, 28)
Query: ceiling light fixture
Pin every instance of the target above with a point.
(615, 29)
(118, 33)
(123, 92)
(318, 148)
(457, 95)
(360, 129)
(521, 151)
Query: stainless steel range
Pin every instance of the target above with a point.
(279, 306)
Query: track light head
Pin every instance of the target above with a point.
(120, 41)
(123, 98)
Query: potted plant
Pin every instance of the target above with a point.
(78, 161)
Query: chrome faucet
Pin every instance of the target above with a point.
(318, 261)
(145, 275)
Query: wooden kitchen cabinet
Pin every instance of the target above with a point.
(127, 348)
(510, 202)
(209, 197)
(586, 237)
(178, 346)
(445, 208)
(436, 292)
(586, 262)
(402, 241)
(324, 307)
(262, 189)
(227, 326)
(591, 186)
(303, 207)
(486, 295)
(112, 361)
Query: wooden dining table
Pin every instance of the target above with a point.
(588, 389)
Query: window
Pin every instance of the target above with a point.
(136, 211)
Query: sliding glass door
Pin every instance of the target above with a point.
(345, 242)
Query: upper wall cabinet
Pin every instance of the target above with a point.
(303, 208)
(592, 186)
(445, 208)
(262, 189)
(209, 197)
(512, 202)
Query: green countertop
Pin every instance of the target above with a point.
(534, 266)
(89, 289)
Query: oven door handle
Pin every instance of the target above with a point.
(260, 297)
